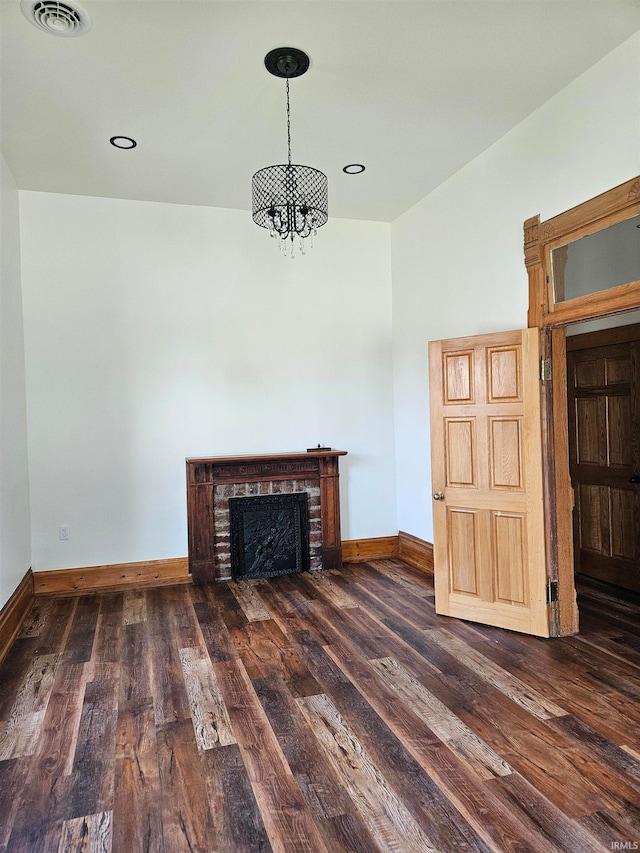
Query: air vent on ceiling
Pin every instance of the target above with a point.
(56, 17)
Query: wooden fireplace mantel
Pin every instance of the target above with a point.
(205, 474)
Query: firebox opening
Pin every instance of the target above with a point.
(269, 535)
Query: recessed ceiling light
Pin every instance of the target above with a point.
(354, 169)
(123, 142)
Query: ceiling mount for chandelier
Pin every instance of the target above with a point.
(289, 200)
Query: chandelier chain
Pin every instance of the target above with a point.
(288, 124)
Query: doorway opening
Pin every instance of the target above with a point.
(603, 392)
(552, 312)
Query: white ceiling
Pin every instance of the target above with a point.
(414, 90)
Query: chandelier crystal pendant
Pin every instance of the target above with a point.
(289, 200)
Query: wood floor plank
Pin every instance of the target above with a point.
(207, 608)
(137, 809)
(385, 815)
(221, 598)
(44, 799)
(554, 828)
(472, 801)
(287, 818)
(519, 692)
(13, 776)
(79, 644)
(186, 814)
(13, 670)
(508, 827)
(614, 647)
(372, 634)
(424, 799)
(582, 693)
(37, 618)
(573, 668)
(238, 824)
(107, 644)
(211, 723)
(416, 582)
(53, 637)
(324, 583)
(264, 650)
(626, 764)
(92, 777)
(632, 750)
(286, 603)
(397, 599)
(523, 742)
(379, 604)
(249, 600)
(342, 829)
(612, 828)
(183, 623)
(134, 607)
(20, 733)
(442, 722)
(364, 722)
(136, 668)
(88, 834)
(169, 691)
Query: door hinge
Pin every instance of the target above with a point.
(552, 591)
(545, 369)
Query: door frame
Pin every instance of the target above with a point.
(552, 318)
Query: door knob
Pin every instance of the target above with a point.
(635, 479)
(439, 496)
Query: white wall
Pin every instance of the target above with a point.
(457, 257)
(15, 545)
(154, 332)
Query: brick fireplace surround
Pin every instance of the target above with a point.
(212, 481)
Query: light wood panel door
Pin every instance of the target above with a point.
(604, 460)
(489, 536)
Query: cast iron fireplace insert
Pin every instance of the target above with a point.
(269, 535)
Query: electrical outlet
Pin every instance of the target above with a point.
(63, 532)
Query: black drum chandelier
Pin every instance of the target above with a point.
(289, 200)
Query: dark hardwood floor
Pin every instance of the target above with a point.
(331, 711)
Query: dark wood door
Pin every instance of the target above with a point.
(604, 454)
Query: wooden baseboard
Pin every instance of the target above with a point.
(148, 573)
(152, 573)
(13, 613)
(416, 552)
(361, 550)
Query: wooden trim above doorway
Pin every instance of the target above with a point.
(610, 207)
(604, 337)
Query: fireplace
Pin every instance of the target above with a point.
(269, 535)
(214, 482)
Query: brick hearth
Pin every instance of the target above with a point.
(221, 495)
